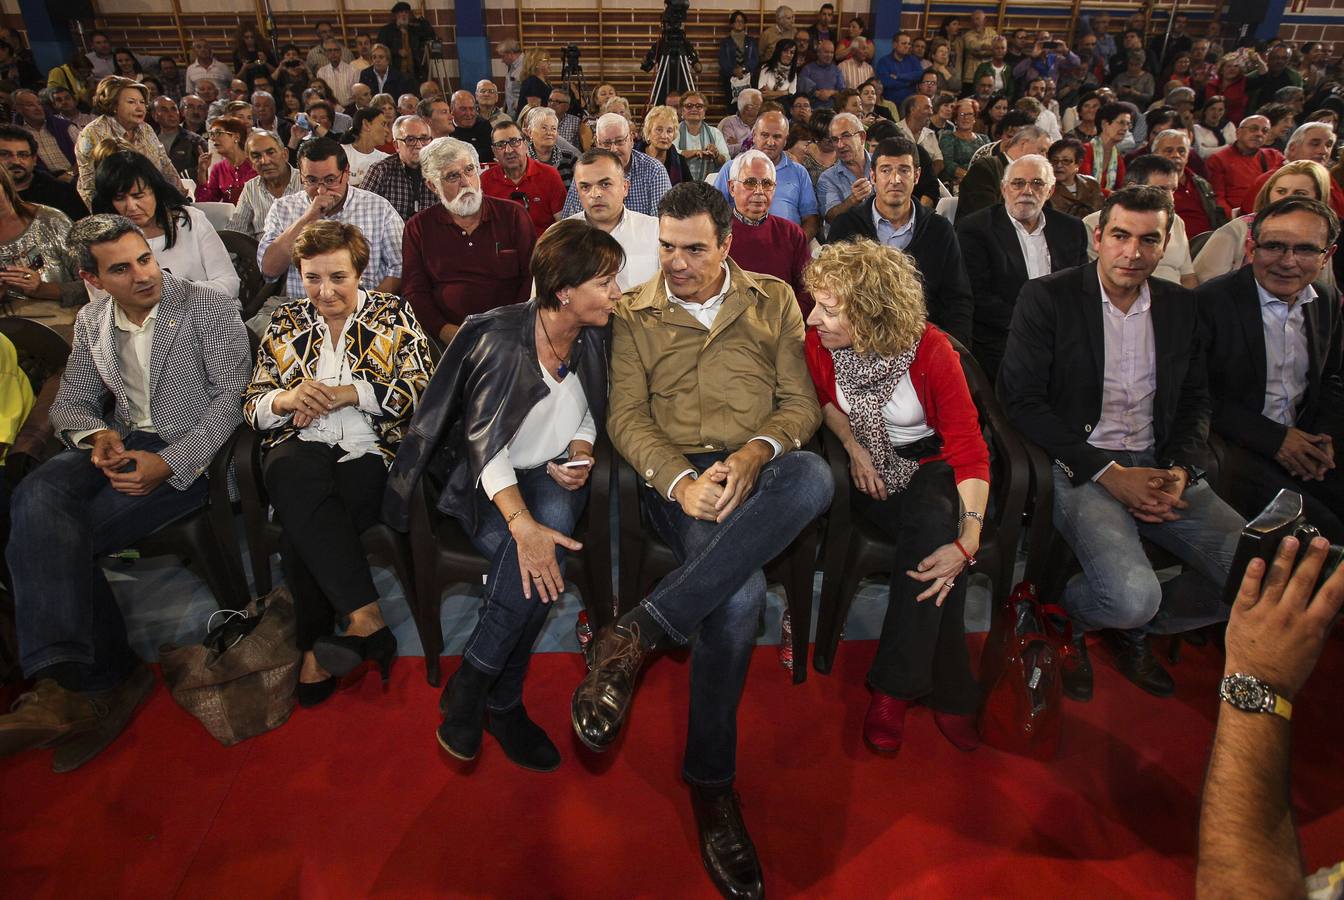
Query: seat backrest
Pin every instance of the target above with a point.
(252, 285)
(1197, 243)
(947, 208)
(42, 352)
(218, 213)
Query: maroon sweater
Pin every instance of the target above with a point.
(775, 247)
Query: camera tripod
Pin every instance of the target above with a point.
(673, 74)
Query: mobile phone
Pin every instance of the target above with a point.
(577, 463)
(301, 120)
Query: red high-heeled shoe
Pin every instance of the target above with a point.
(959, 730)
(884, 723)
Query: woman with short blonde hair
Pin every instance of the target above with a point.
(892, 390)
(660, 142)
(121, 104)
(1225, 249)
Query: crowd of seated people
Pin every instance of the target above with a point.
(1103, 228)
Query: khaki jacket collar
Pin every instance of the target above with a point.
(743, 291)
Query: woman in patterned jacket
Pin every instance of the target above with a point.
(336, 382)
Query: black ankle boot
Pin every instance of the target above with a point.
(463, 708)
(523, 740)
(1134, 658)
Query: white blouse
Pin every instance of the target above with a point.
(562, 416)
(197, 255)
(360, 163)
(903, 413)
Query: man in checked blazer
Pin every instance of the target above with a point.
(1104, 370)
(151, 391)
(1275, 346)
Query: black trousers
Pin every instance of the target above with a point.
(1252, 480)
(323, 507)
(921, 654)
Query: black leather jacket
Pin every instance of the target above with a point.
(483, 388)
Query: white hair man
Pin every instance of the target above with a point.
(648, 178)
(1196, 204)
(845, 185)
(398, 179)
(782, 28)
(468, 253)
(1010, 243)
(601, 185)
(980, 187)
(763, 242)
(737, 128)
(276, 178)
(795, 198)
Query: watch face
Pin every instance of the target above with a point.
(1246, 693)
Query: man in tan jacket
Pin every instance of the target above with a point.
(710, 402)
(975, 47)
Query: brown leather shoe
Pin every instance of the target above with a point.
(725, 847)
(116, 707)
(603, 697)
(45, 714)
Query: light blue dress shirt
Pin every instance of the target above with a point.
(1286, 355)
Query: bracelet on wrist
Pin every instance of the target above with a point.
(508, 520)
(970, 514)
(970, 559)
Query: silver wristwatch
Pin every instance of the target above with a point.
(1251, 694)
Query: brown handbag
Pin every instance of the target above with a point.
(1020, 674)
(239, 682)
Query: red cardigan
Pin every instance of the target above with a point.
(941, 387)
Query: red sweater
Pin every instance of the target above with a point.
(941, 387)
(776, 247)
(1232, 173)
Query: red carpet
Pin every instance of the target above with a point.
(355, 799)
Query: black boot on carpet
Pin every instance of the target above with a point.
(725, 847)
(463, 706)
(1134, 658)
(1076, 670)
(523, 740)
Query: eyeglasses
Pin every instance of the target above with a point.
(1021, 184)
(692, 106)
(509, 143)
(1278, 250)
(847, 136)
(16, 154)
(220, 132)
(613, 143)
(328, 181)
(454, 177)
(757, 184)
(415, 140)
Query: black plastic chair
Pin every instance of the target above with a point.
(1198, 241)
(443, 555)
(855, 550)
(645, 558)
(42, 354)
(381, 543)
(253, 289)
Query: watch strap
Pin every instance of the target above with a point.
(1232, 690)
(1282, 708)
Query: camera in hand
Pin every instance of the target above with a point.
(1283, 517)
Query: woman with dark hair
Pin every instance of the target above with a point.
(121, 105)
(950, 31)
(360, 142)
(870, 107)
(1075, 194)
(778, 76)
(250, 50)
(820, 152)
(337, 379)
(995, 108)
(1213, 130)
(1101, 155)
(182, 238)
(854, 28)
(738, 56)
(125, 64)
(1086, 127)
(504, 437)
(1157, 120)
(154, 86)
(223, 182)
(35, 260)
(892, 390)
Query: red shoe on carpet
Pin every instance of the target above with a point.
(959, 730)
(884, 724)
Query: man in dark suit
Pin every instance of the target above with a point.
(152, 390)
(980, 188)
(1104, 370)
(384, 78)
(1011, 242)
(892, 217)
(1275, 348)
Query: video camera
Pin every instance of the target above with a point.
(672, 41)
(569, 62)
(1283, 517)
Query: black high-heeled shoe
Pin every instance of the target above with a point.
(311, 693)
(342, 655)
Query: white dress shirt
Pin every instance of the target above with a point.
(348, 427)
(562, 416)
(1035, 250)
(134, 345)
(1130, 377)
(1287, 357)
(638, 236)
(340, 79)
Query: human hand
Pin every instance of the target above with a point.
(148, 472)
(1306, 456)
(740, 471)
(321, 205)
(860, 189)
(311, 398)
(108, 451)
(699, 497)
(940, 568)
(863, 473)
(1278, 628)
(1141, 490)
(22, 278)
(571, 478)
(536, 557)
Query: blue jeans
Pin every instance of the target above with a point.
(717, 593)
(501, 643)
(65, 516)
(1118, 587)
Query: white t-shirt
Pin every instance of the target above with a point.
(360, 163)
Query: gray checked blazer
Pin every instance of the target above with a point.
(198, 367)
